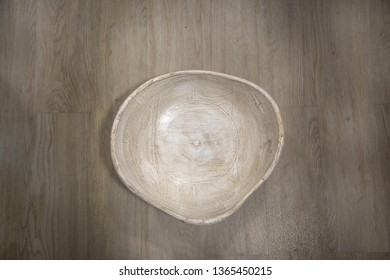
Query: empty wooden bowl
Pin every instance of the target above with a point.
(196, 144)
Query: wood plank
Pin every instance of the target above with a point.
(345, 107)
(17, 66)
(297, 225)
(118, 220)
(64, 61)
(54, 203)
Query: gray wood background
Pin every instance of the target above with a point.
(66, 66)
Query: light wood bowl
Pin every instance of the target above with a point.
(196, 144)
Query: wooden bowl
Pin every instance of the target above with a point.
(196, 144)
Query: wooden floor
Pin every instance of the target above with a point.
(66, 66)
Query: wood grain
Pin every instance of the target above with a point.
(117, 25)
(66, 66)
(297, 223)
(64, 58)
(53, 224)
(17, 72)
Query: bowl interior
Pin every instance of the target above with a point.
(196, 145)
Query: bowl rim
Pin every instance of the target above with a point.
(233, 209)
